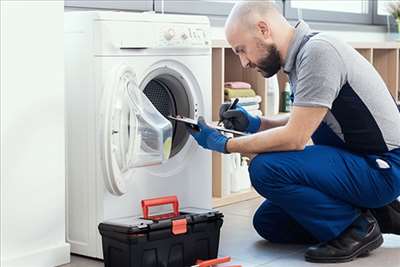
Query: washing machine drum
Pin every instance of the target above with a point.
(170, 98)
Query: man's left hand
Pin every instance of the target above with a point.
(209, 138)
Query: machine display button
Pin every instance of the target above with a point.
(169, 34)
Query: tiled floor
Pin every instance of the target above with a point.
(241, 242)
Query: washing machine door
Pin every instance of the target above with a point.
(134, 133)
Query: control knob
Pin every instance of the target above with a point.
(169, 34)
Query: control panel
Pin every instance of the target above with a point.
(182, 35)
(143, 34)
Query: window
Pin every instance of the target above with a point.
(200, 7)
(349, 11)
(138, 5)
(381, 14)
(335, 11)
(217, 10)
(358, 7)
(382, 7)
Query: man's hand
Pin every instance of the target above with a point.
(209, 138)
(239, 119)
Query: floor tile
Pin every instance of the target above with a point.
(245, 208)
(388, 255)
(234, 261)
(240, 240)
(78, 261)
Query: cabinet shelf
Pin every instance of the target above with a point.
(235, 197)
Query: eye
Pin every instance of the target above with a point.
(239, 50)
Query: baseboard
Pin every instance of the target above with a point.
(48, 257)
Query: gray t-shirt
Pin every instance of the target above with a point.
(327, 72)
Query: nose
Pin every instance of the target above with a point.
(244, 61)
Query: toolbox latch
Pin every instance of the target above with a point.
(179, 226)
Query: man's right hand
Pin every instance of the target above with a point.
(239, 119)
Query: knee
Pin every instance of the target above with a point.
(265, 228)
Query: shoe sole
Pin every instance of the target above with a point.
(364, 250)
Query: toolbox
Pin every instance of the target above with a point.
(177, 239)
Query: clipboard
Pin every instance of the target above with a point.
(193, 124)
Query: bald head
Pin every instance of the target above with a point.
(246, 13)
(259, 35)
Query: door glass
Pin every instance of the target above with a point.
(141, 136)
(135, 134)
(148, 131)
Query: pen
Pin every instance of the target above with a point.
(232, 106)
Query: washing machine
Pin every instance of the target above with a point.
(112, 59)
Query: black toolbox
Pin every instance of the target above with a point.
(176, 239)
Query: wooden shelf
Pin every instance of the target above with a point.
(398, 76)
(220, 43)
(235, 197)
(358, 45)
(386, 62)
(367, 53)
(226, 66)
(375, 45)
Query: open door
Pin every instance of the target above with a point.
(134, 134)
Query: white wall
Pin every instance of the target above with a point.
(32, 134)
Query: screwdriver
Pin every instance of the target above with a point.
(213, 262)
(232, 106)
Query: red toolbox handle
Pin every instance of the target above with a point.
(146, 203)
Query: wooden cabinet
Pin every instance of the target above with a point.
(386, 62)
(385, 58)
(226, 66)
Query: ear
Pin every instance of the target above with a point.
(264, 29)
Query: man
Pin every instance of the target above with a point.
(340, 190)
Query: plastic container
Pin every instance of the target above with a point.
(286, 102)
(272, 96)
(176, 239)
(240, 175)
(235, 177)
(245, 177)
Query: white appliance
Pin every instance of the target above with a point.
(107, 55)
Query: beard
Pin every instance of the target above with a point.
(271, 63)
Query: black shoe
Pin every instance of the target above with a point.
(388, 218)
(362, 236)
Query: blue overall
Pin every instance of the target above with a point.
(315, 194)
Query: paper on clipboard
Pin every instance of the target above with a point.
(193, 123)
